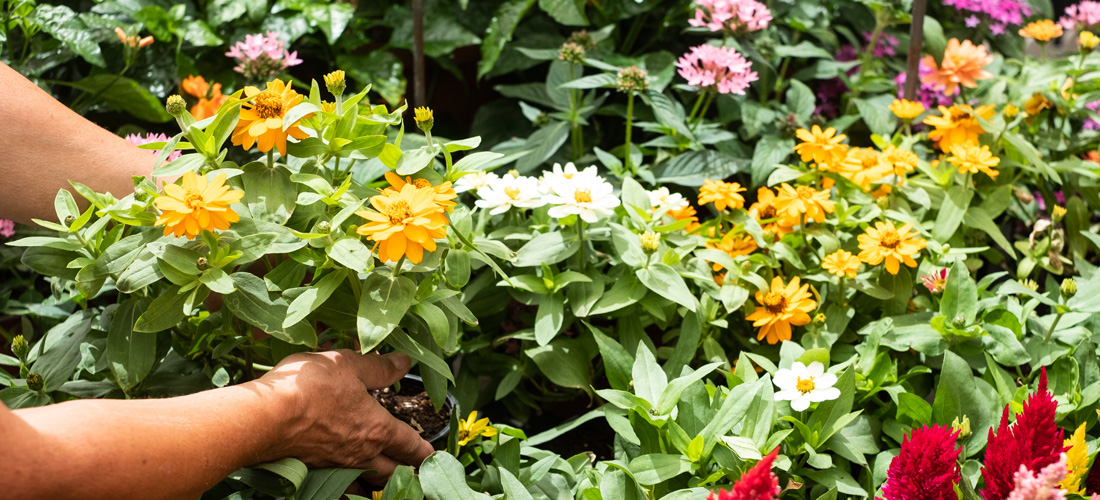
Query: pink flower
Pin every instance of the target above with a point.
(997, 13)
(719, 68)
(734, 16)
(7, 228)
(936, 281)
(138, 140)
(260, 56)
(1041, 486)
(1083, 16)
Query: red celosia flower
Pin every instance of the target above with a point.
(758, 483)
(1092, 481)
(1035, 441)
(926, 467)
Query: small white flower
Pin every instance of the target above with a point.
(587, 196)
(503, 193)
(569, 173)
(662, 197)
(802, 385)
(474, 181)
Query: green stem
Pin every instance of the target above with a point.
(271, 158)
(582, 252)
(702, 113)
(629, 119)
(1053, 326)
(698, 103)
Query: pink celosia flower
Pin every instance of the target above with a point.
(734, 16)
(7, 228)
(1034, 442)
(1083, 16)
(926, 467)
(138, 140)
(758, 483)
(1041, 486)
(719, 68)
(936, 281)
(260, 56)
(997, 13)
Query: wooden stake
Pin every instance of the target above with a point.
(419, 98)
(916, 40)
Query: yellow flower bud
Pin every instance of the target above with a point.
(424, 118)
(336, 83)
(35, 382)
(1011, 110)
(1030, 284)
(963, 427)
(651, 241)
(176, 106)
(1057, 213)
(20, 348)
(1069, 288)
(1087, 41)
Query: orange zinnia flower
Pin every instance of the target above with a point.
(841, 263)
(957, 125)
(962, 65)
(210, 96)
(792, 201)
(444, 193)
(197, 205)
(404, 223)
(261, 120)
(765, 210)
(780, 307)
(734, 246)
(895, 245)
(1042, 31)
(722, 194)
(820, 146)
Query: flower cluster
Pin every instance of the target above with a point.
(957, 125)
(1085, 16)
(139, 140)
(926, 467)
(261, 56)
(7, 228)
(1033, 442)
(569, 192)
(733, 16)
(721, 69)
(1042, 485)
(996, 13)
(408, 217)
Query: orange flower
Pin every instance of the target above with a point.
(820, 146)
(444, 193)
(765, 210)
(962, 65)
(973, 159)
(722, 194)
(1042, 31)
(133, 41)
(687, 212)
(892, 244)
(902, 161)
(261, 120)
(957, 125)
(404, 223)
(210, 97)
(791, 202)
(872, 169)
(197, 205)
(841, 263)
(734, 246)
(780, 307)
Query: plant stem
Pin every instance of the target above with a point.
(271, 158)
(698, 102)
(576, 140)
(581, 253)
(1053, 326)
(629, 119)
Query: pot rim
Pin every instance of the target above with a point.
(450, 402)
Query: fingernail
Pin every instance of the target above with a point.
(400, 360)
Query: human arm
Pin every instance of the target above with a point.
(45, 144)
(314, 407)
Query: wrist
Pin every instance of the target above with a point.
(279, 415)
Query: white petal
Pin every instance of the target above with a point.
(825, 380)
(816, 369)
(800, 404)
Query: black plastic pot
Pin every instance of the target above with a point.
(416, 383)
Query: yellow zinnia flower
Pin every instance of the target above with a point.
(1077, 462)
(871, 168)
(470, 428)
(765, 210)
(906, 109)
(894, 245)
(1042, 31)
(792, 202)
(722, 194)
(261, 119)
(901, 161)
(444, 193)
(1036, 104)
(956, 125)
(404, 223)
(1087, 41)
(972, 159)
(734, 246)
(841, 263)
(780, 307)
(197, 205)
(820, 146)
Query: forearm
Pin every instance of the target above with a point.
(46, 144)
(157, 448)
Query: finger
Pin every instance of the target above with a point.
(380, 468)
(405, 444)
(378, 371)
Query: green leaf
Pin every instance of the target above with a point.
(442, 476)
(672, 392)
(382, 304)
(513, 488)
(657, 468)
(326, 484)
(960, 295)
(915, 407)
(877, 115)
(649, 379)
(57, 364)
(351, 253)
(550, 318)
(804, 50)
(166, 311)
(313, 297)
(800, 101)
(979, 218)
(960, 394)
(951, 212)
(547, 248)
(268, 192)
(499, 32)
(564, 362)
(332, 18)
(406, 344)
(542, 145)
(666, 282)
(253, 303)
(130, 354)
(617, 362)
(124, 94)
(693, 167)
(567, 12)
(62, 23)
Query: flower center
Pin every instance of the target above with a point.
(775, 302)
(567, 176)
(422, 183)
(582, 196)
(398, 212)
(767, 213)
(805, 385)
(890, 239)
(805, 192)
(463, 434)
(193, 199)
(269, 105)
(958, 115)
(512, 192)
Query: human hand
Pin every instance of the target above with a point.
(333, 420)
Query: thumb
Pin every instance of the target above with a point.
(380, 371)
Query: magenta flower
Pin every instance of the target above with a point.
(935, 282)
(757, 483)
(887, 45)
(138, 140)
(717, 68)
(7, 228)
(1041, 486)
(997, 13)
(925, 468)
(734, 16)
(1083, 16)
(261, 56)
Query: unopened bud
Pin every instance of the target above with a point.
(201, 263)
(176, 106)
(1011, 111)
(336, 83)
(632, 79)
(571, 52)
(324, 226)
(958, 322)
(35, 382)
(883, 203)
(424, 118)
(20, 348)
(746, 267)
(69, 219)
(1030, 284)
(541, 119)
(582, 38)
(819, 319)
(651, 241)
(1057, 213)
(770, 237)
(1069, 288)
(963, 428)
(514, 173)
(1087, 42)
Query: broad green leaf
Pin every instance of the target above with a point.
(383, 302)
(499, 32)
(313, 297)
(547, 248)
(960, 295)
(550, 318)
(443, 477)
(656, 468)
(130, 354)
(252, 303)
(564, 362)
(666, 282)
(166, 311)
(951, 213)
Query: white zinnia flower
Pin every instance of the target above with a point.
(561, 174)
(802, 385)
(662, 197)
(506, 192)
(588, 197)
(474, 181)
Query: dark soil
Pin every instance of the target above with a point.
(413, 406)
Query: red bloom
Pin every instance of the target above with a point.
(1092, 481)
(758, 483)
(1035, 441)
(926, 468)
